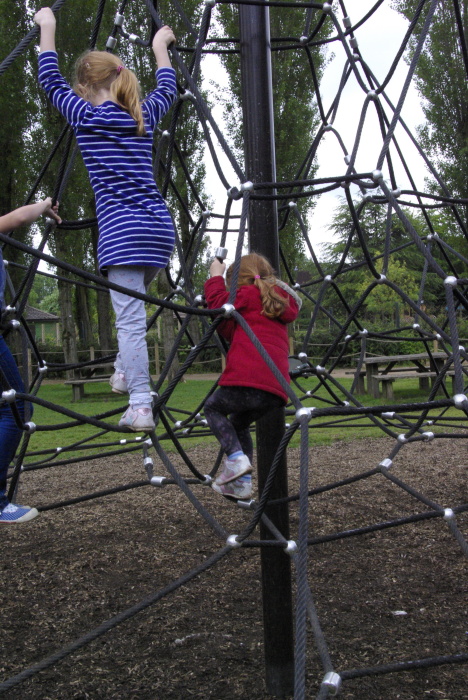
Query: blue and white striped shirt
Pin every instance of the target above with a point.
(135, 227)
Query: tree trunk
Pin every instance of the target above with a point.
(103, 304)
(65, 290)
(85, 331)
(168, 328)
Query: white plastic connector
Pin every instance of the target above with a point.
(233, 542)
(247, 186)
(451, 281)
(133, 38)
(428, 436)
(449, 514)
(332, 681)
(9, 396)
(386, 463)
(291, 547)
(111, 42)
(159, 481)
(377, 175)
(459, 400)
(402, 438)
(228, 310)
(118, 20)
(304, 411)
(187, 95)
(30, 427)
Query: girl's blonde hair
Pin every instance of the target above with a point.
(95, 70)
(255, 269)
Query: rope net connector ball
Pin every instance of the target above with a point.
(228, 310)
(428, 436)
(221, 254)
(118, 20)
(158, 481)
(208, 480)
(303, 40)
(449, 514)
(304, 412)
(247, 186)
(187, 95)
(9, 395)
(30, 427)
(43, 369)
(291, 548)
(332, 681)
(459, 400)
(402, 438)
(233, 542)
(111, 43)
(382, 279)
(377, 176)
(210, 3)
(451, 281)
(386, 464)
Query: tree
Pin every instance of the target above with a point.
(441, 78)
(295, 108)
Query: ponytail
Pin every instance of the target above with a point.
(100, 69)
(255, 269)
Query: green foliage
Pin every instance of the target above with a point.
(441, 81)
(294, 105)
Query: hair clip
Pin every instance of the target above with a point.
(119, 69)
(257, 277)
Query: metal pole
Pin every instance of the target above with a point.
(259, 139)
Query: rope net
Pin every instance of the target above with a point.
(318, 397)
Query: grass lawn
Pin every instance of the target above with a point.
(187, 397)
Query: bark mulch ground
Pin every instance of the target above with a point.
(390, 596)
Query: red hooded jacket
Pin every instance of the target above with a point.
(244, 364)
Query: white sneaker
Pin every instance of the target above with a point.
(233, 469)
(118, 383)
(140, 419)
(237, 489)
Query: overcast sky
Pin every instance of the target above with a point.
(379, 40)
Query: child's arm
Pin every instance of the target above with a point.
(28, 214)
(161, 42)
(45, 18)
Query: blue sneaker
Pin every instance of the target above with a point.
(12, 513)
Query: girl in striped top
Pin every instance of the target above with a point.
(114, 131)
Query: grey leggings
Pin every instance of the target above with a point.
(130, 321)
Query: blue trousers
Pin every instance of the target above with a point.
(10, 434)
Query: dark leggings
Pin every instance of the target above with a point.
(243, 405)
(10, 434)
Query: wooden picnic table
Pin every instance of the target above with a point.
(423, 366)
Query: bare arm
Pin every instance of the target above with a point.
(45, 18)
(28, 214)
(163, 38)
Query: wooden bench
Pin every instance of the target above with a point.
(78, 385)
(360, 386)
(388, 379)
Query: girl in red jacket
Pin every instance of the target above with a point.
(248, 388)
